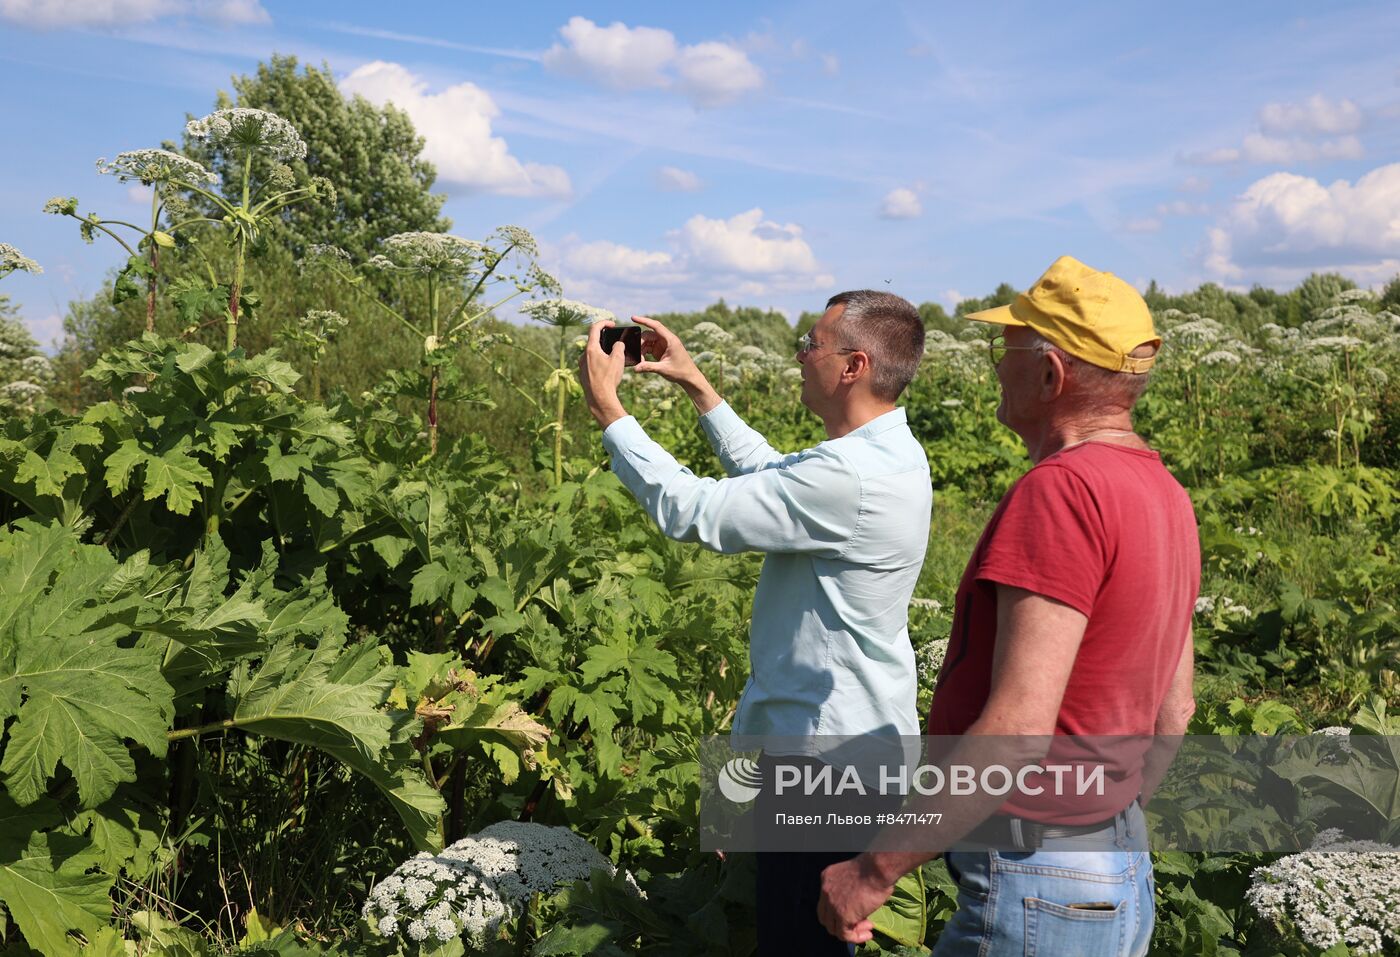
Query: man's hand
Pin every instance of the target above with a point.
(852, 891)
(672, 362)
(599, 373)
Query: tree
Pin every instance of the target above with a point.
(935, 316)
(371, 155)
(1390, 295)
(373, 158)
(1004, 295)
(1317, 293)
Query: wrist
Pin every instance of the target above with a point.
(606, 413)
(701, 393)
(880, 870)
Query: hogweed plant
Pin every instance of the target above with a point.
(247, 138)
(458, 278)
(1338, 892)
(12, 260)
(168, 175)
(313, 334)
(567, 316)
(474, 887)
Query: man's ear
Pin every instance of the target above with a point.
(1053, 382)
(857, 365)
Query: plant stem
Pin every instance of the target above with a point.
(433, 371)
(559, 408)
(155, 263)
(237, 288)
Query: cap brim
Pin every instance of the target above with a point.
(1000, 316)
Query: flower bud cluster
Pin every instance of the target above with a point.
(245, 130)
(479, 882)
(1337, 891)
(11, 260)
(428, 253)
(563, 313)
(155, 166)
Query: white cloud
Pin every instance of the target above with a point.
(746, 244)
(51, 14)
(1148, 224)
(713, 74)
(1259, 148)
(1194, 184)
(1292, 133)
(616, 56)
(1268, 149)
(901, 203)
(744, 256)
(673, 179)
(456, 126)
(139, 195)
(1316, 115)
(952, 297)
(632, 58)
(1286, 225)
(620, 265)
(831, 64)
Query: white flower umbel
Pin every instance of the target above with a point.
(155, 166)
(479, 882)
(12, 260)
(243, 130)
(1337, 891)
(565, 312)
(428, 253)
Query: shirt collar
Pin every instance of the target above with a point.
(881, 423)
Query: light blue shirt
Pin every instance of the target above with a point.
(844, 526)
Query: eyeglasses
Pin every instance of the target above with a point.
(998, 348)
(805, 343)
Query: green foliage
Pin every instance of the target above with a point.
(372, 154)
(256, 649)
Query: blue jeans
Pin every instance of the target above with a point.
(1056, 900)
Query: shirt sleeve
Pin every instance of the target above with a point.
(739, 446)
(1049, 539)
(811, 504)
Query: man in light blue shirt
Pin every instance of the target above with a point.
(844, 526)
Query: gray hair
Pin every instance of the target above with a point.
(1096, 387)
(887, 328)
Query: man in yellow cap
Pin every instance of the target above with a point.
(1073, 618)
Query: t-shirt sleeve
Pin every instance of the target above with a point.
(1049, 539)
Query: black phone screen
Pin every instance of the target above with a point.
(631, 337)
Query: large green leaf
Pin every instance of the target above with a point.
(78, 693)
(331, 697)
(51, 893)
(902, 917)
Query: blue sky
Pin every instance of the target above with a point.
(775, 153)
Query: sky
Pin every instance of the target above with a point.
(773, 153)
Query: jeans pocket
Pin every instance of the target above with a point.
(1088, 929)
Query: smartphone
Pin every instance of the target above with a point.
(631, 337)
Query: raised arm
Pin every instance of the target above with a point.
(810, 504)
(740, 448)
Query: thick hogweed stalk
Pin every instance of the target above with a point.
(244, 135)
(457, 273)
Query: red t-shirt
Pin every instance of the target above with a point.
(1108, 531)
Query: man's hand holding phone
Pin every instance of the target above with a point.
(672, 362)
(631, 339)
(599, 373)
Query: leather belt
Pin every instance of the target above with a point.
(1005, 831)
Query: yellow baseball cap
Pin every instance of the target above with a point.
(1092, 315)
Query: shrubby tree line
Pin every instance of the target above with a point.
(310, 562)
